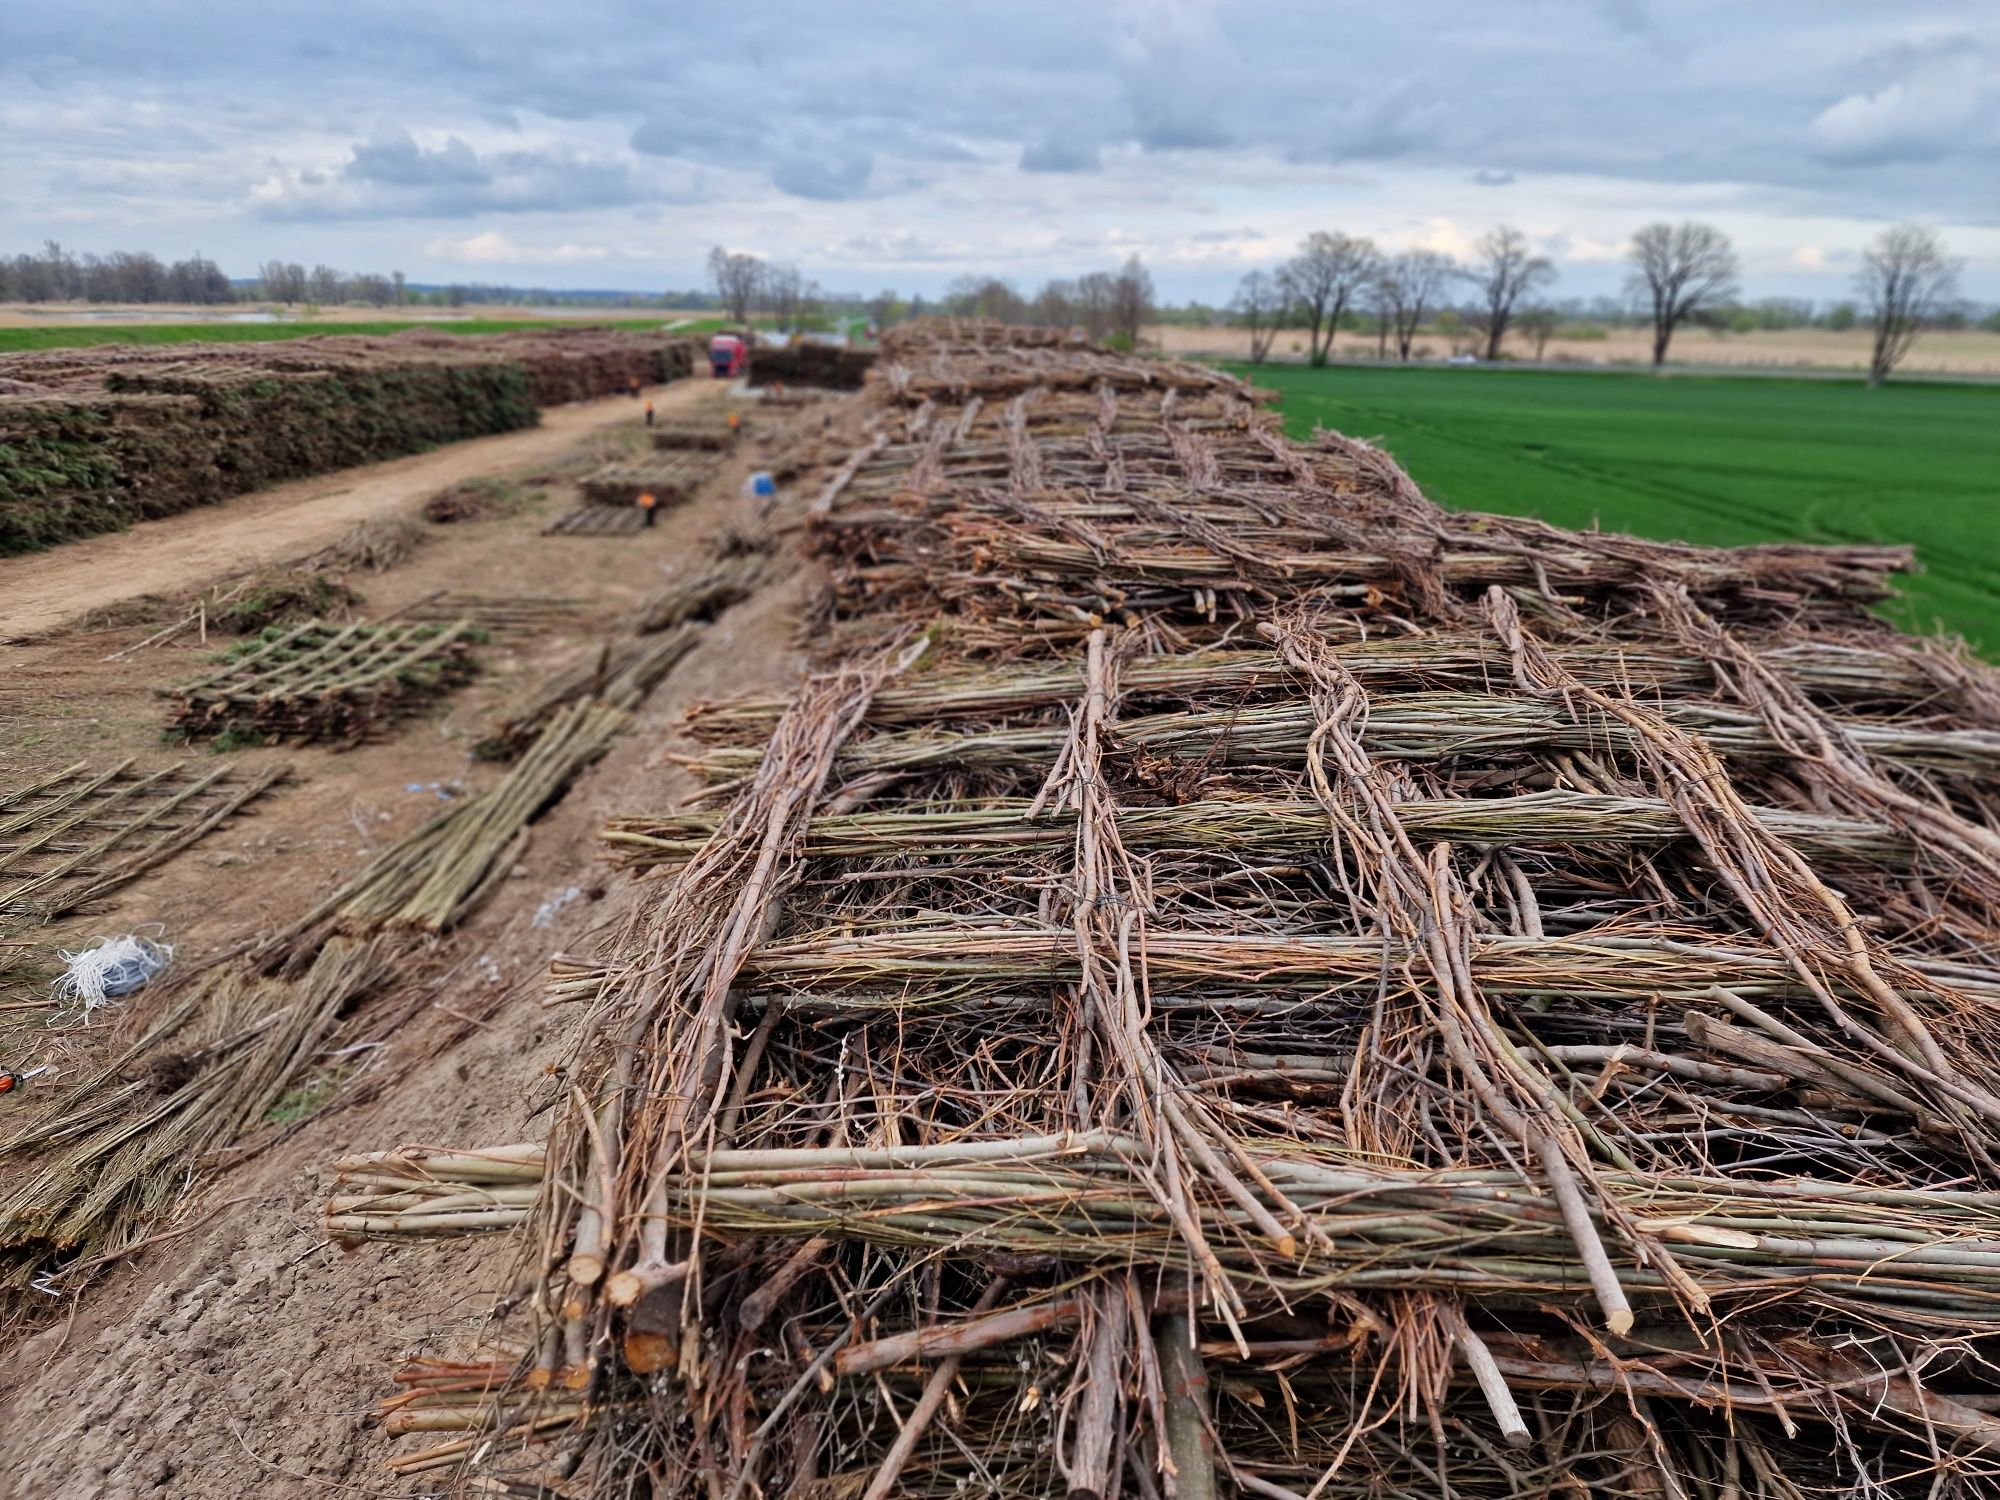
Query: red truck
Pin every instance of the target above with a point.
(728, 356)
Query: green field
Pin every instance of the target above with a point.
(1722, 460)
(67, 336)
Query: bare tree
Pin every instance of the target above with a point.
(1093, 303)
(1055, 305)
(790, 299)
(1680, 270)
(1323, 278)
(1259, 306)
(736, 278)
(1906, 281)
(1506, 269)
(1376, 297)
(1131, 301)
(1412, 283)
(284, 280)
(1539, 324)
(974, 296)
(199, 279)
(326, 286)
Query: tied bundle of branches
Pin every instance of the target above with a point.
(445, 869)
(706, 591)
(324, 682)
(620, 673)
(1299, 993)
(425, 1193)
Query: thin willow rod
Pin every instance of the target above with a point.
(1003, 829)
(1600, 965)
(1875, 673)
(1920, 1256)
(1417, 727)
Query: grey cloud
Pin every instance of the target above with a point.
(1626, 15)
(719, 141)
(395, 159)
(1929, 108)
(1487, 177)
(1400, 121)
(832, 177)
(1058, 153)
(1178, 68)
(391, 177)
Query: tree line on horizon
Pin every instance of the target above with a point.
(1680, 274)
(56, 274)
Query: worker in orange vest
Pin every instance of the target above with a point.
(648, 505)
(732, 424)
(649, 414)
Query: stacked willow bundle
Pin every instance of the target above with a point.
(714, 437)
(1298, 993)
(831, 366)
(318, 681)
(671, 478)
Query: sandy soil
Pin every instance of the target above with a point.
(239, 1355)
(46, 589)
(1969, 353)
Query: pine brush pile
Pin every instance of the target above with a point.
(94, 439)
(832, 366)
(1232, 979)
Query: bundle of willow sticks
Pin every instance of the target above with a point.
(620, 670)
(1232, 979)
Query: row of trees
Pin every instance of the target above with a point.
(1109, 305)
(1680, 273)
(55, 275)
(746, 285)
(1113, 306)
(289, 282)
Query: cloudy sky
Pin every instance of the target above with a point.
(902, 144)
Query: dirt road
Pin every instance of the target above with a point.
(44, 590)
